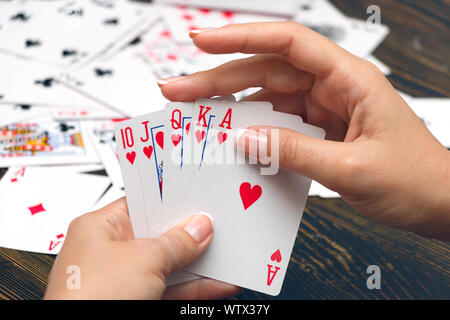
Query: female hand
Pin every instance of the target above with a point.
(378, 155)
(114, 265)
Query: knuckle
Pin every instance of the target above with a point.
(289, 151)
(351, 167)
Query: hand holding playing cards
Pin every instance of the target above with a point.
(114, 265)
(378, 154)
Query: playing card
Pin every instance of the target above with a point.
(435, 114)
(181, 19)
(167, 58)
(36, 211)
(124, 84)
(149, 141)
(126, 150)
(18, 113)
(43, 141)
(256, 217)
(282, 8)
(62, 32)
(352, 34)
(102, 134)
(28, 82)
(184, 146)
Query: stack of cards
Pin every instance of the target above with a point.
(183, 160)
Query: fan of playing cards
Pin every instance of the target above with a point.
(73, 73)
(182, 160)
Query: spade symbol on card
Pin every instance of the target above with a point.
(20, 17)
(23, 106)
(32, 43)
(68, 53)
(148, 151)
(65, 127)
(48, 82)
(249, 195)
(111, 21)
(103, 72)
(135, 41)
(160, 139)
(72, 53)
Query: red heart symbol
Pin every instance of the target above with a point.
(200, 135)
(131, 156)
(222, 136)
(176, 138)
(188, 126)
(160, 139)
(249, 194)
(148, 151)
(276, 256)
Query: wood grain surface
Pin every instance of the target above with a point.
(335, 244)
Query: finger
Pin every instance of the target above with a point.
(315, 158)
(180, 246)
(304, 48)
(201, 289)
(268, 71)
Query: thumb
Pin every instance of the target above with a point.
(294, 151)
(181, 245)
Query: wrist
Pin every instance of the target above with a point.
(436, 222)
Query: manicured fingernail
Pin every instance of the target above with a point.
(195, 32)
(163, 82)
(199, 226)
(249, 140)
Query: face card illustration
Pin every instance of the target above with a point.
(126, 139)
(149, 131)
(45, 141)
(255, 213)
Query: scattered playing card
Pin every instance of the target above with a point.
(36, 210)
(44, 141)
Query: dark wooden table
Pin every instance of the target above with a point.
(335, 244)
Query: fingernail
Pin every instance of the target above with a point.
(163, 82)
(199, 226)
(249, 140)
(195, 32)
